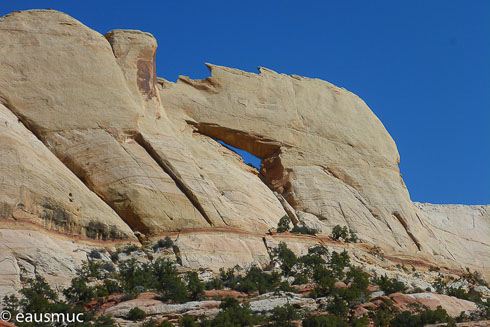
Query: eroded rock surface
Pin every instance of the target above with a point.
(95, 146)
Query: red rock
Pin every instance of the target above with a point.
(340, 284)
(224, 293)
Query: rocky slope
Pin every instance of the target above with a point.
(96, 149)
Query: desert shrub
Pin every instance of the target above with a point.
(359, 282)
(257, 280)
(104, 321)
(320, 250)
(11, 304)
(338, 262)
(228, 277)
(187, 321)
(304, 230)
(174, 289)
(39, 297)
(115, 257)
(383, 314)
(459, 292)
(287, 257)
(95, 254)
(360, 322)
(339, 233)
(128, 297)
(133, 274)
(215, 284)
(407, 319)
(195, 286)
(283, 316)
(130, 248)
(79, 292)
(300, 278)
(233, 314)
(283, 224)
(323, 321)
(389, 285)
(136, 314)
(285, 286)
(90, 269)
(166, 243)
(325, 280)
(337, 307)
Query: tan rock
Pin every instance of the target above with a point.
(38, 190)
(452, 305)
(27, 253)
(104, 149)
(323, 150)
(464, 230)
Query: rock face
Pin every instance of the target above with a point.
(95, 146)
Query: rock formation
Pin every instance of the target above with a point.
(96, 148)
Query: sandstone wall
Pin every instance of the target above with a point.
(95, 146)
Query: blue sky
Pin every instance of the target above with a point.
(423, 67)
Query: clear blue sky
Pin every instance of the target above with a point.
(422, 66)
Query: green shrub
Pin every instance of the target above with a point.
(166, 243)
(360, 322)
(195, 286)
(257, 280)
(133, 274)
(95, 254)
(300, 278)
(187, 321)
(323, 321)
(91, 269)
(459, 292)
(383, 314)
(79, 292)
(287, 257)
(338, 262)
(215, 284)
(339, 233)
(389, 285)
(229, 278)
(173, 289)
(407, 319)
(337, 307)
(284, 316)
(234, 314)
(136, 314)
(304, 230)
(325, 280)
(283, 224)
(115, 257)
(131, 248)
(359, 282)
(104, 321)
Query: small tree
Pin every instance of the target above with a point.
(283, 224)
(166, 243)
(389, 285)
(136, 314)
(195, 286)
(284, 316)
(287, 257)
(339, 233)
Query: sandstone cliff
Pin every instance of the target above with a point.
(96, 147)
